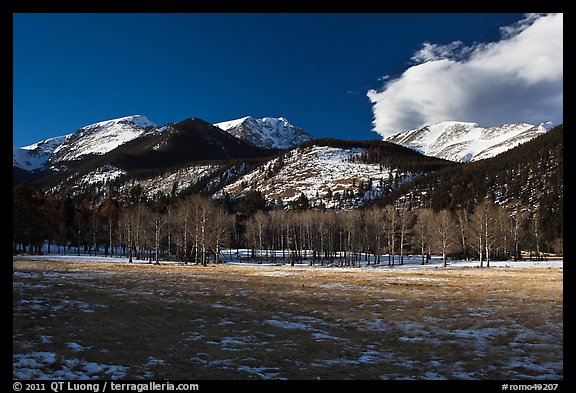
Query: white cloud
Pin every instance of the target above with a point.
(431, 52)
(517, 79)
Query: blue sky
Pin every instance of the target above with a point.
(317, 70)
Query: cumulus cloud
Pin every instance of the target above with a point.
(517, 79)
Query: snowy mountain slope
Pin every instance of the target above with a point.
(94, 139)
(328, 176)
(172, 180)
(530, 173)
(268, 132)
(464, 141)
(164, 162)
(102, 137)
(35, 156)
(176, 180)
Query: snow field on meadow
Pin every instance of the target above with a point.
(96, 320)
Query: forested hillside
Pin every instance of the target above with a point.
(333, 174)
(493, 208)
(530, 175)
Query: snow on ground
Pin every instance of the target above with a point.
(322, 173)
(275, 258)
(175, 180)
(352, 328)
(40, 365)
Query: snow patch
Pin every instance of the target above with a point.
(287, 325)
(40, 365)
(464, 141)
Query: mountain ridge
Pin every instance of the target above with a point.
(197, 156)
(466, 141)
(102, 137)
(269, 132)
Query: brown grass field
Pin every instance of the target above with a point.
(137, 321)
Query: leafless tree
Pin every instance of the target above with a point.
(255, 232)
(483, 231)
(405, 224)
(463, 219)
(444, 232)
(423, 229)
(535, 231)
(391, 228)
(220, 229)
(517, 217)
(184, 219)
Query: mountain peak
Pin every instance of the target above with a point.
(267, 132)
(466, 141)
(35, 156)
(138, 120)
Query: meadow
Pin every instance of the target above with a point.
(93, 320)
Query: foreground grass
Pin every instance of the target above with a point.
(97, 320)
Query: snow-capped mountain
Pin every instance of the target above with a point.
(35, 156)
(175, 158)
(268, 132)
(230, 159)
(190, 140)
(464, 141)
(94, 139)
(102, 137)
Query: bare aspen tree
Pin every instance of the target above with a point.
(502, 232)
(463, 219)
(366, 238)
(444, 233)
(423, 229)
(278, 229)
(138, 226)
(310, 227)
(476, 235)
(517, 219)
(323, 224)
(256, 227)
(130, 218)
(490, 230)
(203, 219)
(535, 231)
(377, 227)
(183, 222)
(122, 233)
(219, 231)
(405, 223)
(169, 227)
(156, 222)
(349, 221)
(109, 211)
(483, 230)
(391, 227)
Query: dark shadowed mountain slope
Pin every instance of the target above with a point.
(187, 141)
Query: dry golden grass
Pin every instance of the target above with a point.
(242, 322)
